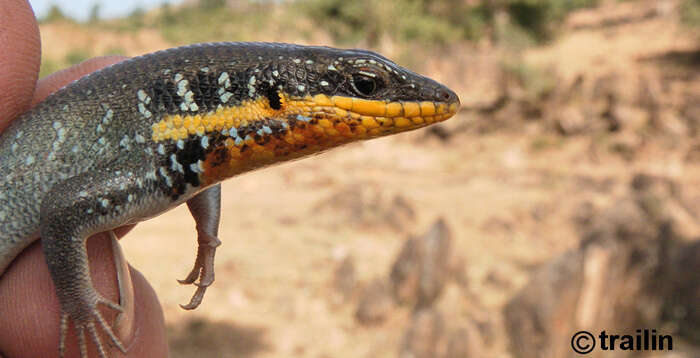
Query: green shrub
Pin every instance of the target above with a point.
(438, 22)
(541, 18)
(537, 82)
(114, 50)
(76, 56)
(211, 4)
(55, 14)
(135, 20)
(48, 66)
(213, 21)
(348, 21)
(94, 16)
(690, 12)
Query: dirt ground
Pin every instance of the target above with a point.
(509, 188)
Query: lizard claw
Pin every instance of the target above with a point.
(86, 322)
(196, 298)
(203, 269)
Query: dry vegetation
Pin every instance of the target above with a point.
(568, 189)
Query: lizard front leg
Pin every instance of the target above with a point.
(205, 208)
(73, 210)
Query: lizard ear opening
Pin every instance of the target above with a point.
(274, 98)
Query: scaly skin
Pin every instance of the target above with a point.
(138, 138)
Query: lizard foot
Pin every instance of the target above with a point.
(203, 268)
(86, 322)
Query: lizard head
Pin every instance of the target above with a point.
(358, 94)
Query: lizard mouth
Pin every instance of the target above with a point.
(358, 118)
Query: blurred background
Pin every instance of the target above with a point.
(564, 196)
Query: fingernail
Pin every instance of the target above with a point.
(124, 322)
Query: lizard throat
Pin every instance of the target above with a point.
(253, 134)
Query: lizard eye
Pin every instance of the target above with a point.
(364, 85)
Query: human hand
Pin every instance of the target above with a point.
(29, 319)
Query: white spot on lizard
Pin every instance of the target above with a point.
(223, 78)
(124, 143)
(226, 96)
(175, 165)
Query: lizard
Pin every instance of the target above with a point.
(135, 139)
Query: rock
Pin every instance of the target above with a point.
(617, 280)
(682, 306)
(399, 212)
(626, 145)
(344, 280)
(375, 304)
(422, 267)
(498, 279)
(693, 154)
(465, 342)
(542, 313)
(691, 114)
(570, 120)
(370, 207)
(425, 337)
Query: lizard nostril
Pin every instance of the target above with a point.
(443, 95)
